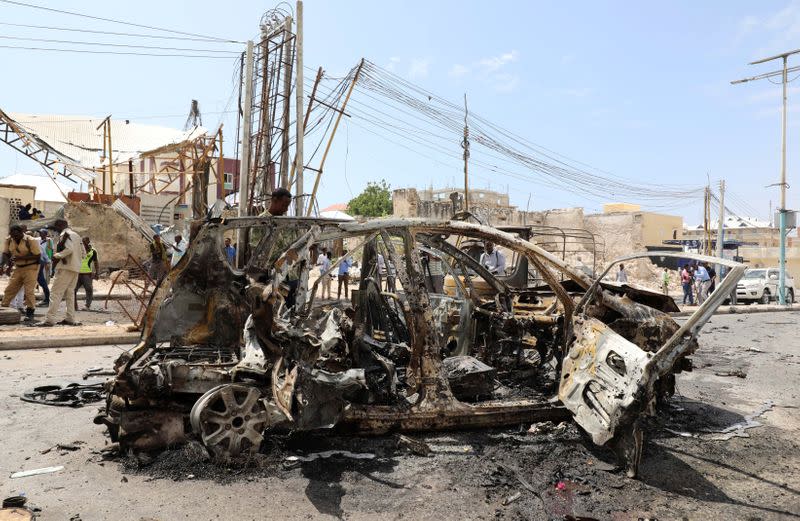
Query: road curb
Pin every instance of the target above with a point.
(740, 310)
(69, 341)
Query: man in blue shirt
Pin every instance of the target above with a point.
(701, 281)
(344, 276)
(230, 252)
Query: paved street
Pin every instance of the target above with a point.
(745, 361)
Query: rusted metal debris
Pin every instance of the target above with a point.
(224, 349)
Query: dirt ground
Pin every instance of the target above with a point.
(746, 364)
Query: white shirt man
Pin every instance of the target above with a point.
(178, 249)
(69, 254)
(493, 260)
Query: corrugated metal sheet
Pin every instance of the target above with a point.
(78, 138)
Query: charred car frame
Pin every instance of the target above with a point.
(223, 357)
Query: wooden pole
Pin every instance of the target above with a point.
(330, 139)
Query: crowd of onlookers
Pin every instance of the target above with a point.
(698, 280)
(59, 261)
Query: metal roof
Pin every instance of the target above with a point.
(79, 139)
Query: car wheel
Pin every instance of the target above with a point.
(765, 297)
(9, 316)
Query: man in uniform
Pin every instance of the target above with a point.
(90, 268)
(68, 257)
(25, 252)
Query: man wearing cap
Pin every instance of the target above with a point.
(68, 257)
(25, 252)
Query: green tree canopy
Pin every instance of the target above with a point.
(374, 201)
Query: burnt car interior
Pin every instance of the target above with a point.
(230, 355)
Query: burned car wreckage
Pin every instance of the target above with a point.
(225, 359)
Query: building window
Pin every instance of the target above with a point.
(227, 181)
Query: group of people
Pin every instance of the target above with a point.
(70, 260)
(698, 280)
(324, 260)
(26, 213)
(164, 257)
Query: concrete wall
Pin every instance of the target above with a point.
(153, 211)
(658, 227)
(111, 234)
(762, 257)
(5, 216)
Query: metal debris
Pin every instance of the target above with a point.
(330, 453)
(36, 472)
(71, 395)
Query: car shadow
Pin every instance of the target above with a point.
(325, 490)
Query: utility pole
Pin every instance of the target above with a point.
(244, 166)
(299, 120)
(330, 139)
(782, 209)
(465, 146)
(720, 226)
(287, 89)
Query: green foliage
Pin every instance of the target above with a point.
(374, 201)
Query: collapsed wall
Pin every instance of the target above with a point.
(112, 235)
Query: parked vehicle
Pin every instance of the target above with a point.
(761, 285)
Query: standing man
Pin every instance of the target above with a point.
(686, 284)
(712, 276)
(158, 259)
(89, 272)
(344, 276)
(324, 265)
(230, 252)
(279, 202)
(436, 272)
(178, 249)
(622, 276)
(493, 259)
(67, 258)
(46, 266)
(25, 212)
(665, 281)
(701, 282)
(24, 250)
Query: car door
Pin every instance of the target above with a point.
(772, 281)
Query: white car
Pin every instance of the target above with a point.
(761, 285)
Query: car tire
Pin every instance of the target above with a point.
(765, 297)
(9, 316)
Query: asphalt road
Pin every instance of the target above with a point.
(746, 363)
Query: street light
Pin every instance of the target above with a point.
(782, 210)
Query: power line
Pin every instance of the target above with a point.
(111, 20)
(105, 44)
(86, 51)
(114, 33)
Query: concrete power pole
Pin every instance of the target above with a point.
(244, 166)
(287, 88)
(782, 209)
(299, 117)
(720, 225)
(465, 146)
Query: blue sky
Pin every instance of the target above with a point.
(640, 89)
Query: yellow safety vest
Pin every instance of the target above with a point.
(85, 268)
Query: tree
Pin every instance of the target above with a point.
(374, 201)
